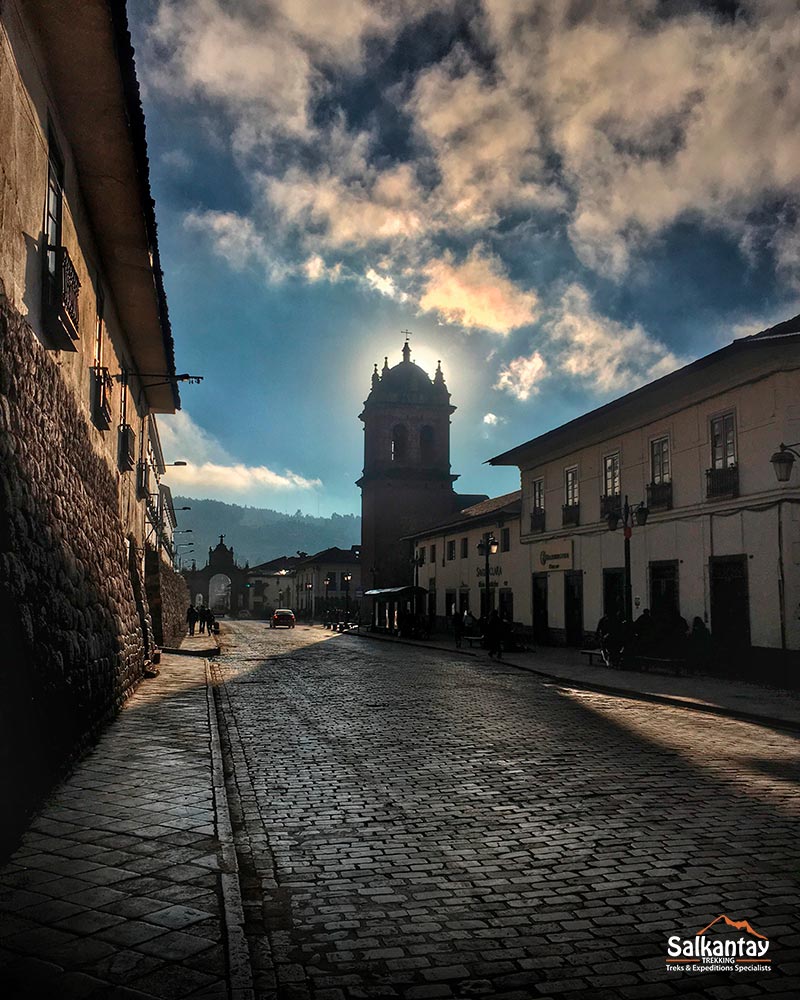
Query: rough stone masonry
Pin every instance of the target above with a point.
(73, 636)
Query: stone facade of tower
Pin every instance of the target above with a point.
(406, 482)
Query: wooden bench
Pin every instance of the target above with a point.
(591, 653)
(672, 664)
(472, 639)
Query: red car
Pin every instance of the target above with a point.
(282, 616)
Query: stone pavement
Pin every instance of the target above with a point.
(116, 888)
(729, 697)
(417, 824)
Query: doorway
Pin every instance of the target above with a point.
(614, 592)
(664, 594)
(573, 608)
(539, 617)
(730, 602)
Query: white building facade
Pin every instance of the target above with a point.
(722, 537)
(450, 566)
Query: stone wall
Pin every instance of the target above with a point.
(168, 599)
(72, 634)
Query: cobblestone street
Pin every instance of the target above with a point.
(421, 824)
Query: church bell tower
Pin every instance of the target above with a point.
(406, 483)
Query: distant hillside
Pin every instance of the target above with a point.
(258, 535)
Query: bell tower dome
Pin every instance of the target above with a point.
(406, 482)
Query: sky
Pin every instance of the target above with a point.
(560, 200)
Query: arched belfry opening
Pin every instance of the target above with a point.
(427, 445)
(400, 443)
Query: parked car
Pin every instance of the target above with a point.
(282, 616)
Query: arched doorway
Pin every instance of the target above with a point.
(219, 593)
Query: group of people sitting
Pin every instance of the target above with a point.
(201, 619)
(496, 631)
(664, 635)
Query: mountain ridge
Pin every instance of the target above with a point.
(258, 534)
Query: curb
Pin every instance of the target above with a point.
(658, 699)
(199, 653)
(663, 699)
(410, 642)
(239, 969)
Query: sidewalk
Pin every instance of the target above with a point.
(732, 698)
(117, 887)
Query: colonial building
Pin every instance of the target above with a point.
(329, 579)
(690, 454)
(86, 360)
(271, 585)
(451, 562)
(406, 480)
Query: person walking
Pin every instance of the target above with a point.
(201, 620)
(191, 618)
(458, 628)
(494, 635)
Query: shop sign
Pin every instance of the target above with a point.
(555, 554)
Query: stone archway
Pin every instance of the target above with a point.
(219, 593)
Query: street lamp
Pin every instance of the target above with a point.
(327, 582)
(346, 581)
(179, 555)
(487, 546)
(783, 460)
(628, 515)
(309, 588)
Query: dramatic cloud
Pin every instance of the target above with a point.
(476, 294)
(377, 208)
(232, 237)
(210, 478)
(611, 356)
(521, 376)
(654, 120)
(620, 121)
(211, 472)
(607, 356)
(384, 284)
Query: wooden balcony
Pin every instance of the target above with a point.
(142, 480)
(721, 483)
(60, 302)
(126, 448)
(659, 496)
(537, 520)
(571, 514)
(611, 503)
(100, 387)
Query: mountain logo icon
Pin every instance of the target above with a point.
(737, 925)
(720, 952)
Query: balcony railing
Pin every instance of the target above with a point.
(142, 480)
(722, 482)
(537, 519)
(100, 397)
(571, 514)
(659, 496)
(611, 503)
(126, 447)
(61, 288)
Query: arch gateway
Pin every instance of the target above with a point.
(220, 584)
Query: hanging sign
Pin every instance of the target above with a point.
(555, 554)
